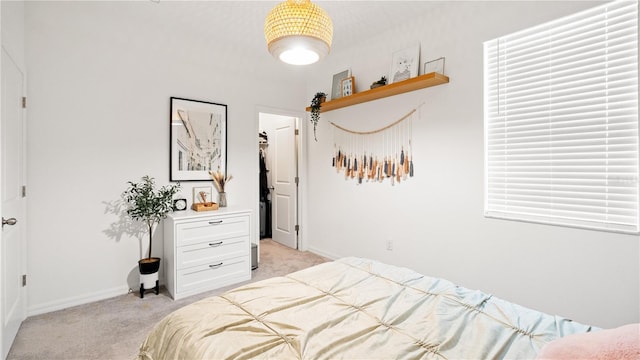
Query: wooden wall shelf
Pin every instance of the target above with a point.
(416, 83)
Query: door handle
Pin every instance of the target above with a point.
(9, 221)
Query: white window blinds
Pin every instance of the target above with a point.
(561, 121)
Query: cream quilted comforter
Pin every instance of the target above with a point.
(354, 309)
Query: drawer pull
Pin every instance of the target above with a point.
(215, 222)
(215, 265)
(216, 244)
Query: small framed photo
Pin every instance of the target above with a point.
(348, 86)
(436, 66)
(202, 194)
(405, 64)
(336, 86)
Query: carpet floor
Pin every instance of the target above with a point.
(114, 328)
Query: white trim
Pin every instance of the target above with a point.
(77, 300)
(323, 253)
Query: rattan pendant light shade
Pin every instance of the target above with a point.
(298, 32)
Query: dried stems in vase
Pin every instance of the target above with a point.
(220, 180)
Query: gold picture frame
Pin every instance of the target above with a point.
(348, 86)
(436, 66)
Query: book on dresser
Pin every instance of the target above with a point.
(206, 250)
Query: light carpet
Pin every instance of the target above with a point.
(115, 328)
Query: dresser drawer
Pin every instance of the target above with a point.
(212, 229)
(208, 252)
(213, 275)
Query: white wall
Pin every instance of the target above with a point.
(436, 218)
(13, 30)
(100, 78)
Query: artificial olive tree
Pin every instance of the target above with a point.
(147, 204)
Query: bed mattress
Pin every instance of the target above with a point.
(354, 308)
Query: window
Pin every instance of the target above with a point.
(561, 121)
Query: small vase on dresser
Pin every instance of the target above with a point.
(222, 199)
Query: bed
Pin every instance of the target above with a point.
(354, 308)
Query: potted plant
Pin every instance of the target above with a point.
(150, 205)
(317, 100)
(381, 82)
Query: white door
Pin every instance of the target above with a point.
(285, 171)
(12, 241)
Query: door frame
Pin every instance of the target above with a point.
(301, 148)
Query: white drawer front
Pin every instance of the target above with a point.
(211, 229)
(208, 252)
(213, 275)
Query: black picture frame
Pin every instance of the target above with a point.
(198, 139)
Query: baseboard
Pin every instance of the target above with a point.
(77, 300)
(323, 253)
(117, 291)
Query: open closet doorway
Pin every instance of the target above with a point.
(278, 145)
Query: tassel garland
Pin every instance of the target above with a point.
(376, 155)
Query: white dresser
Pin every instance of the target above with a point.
(206, 250)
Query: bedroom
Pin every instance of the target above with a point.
(99, 78)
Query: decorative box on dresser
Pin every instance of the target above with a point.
(206, 250)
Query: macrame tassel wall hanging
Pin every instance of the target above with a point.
(374, 156)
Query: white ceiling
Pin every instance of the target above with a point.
(357, 20)
(241, 23)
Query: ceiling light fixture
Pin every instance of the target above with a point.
(298, 32)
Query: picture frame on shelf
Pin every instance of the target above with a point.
(198, 139)
(202, 194)
(405, 64)
(348, 86)
(436, 66)
(336, 85)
